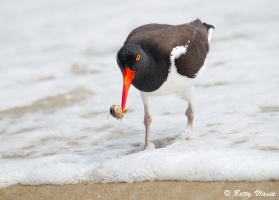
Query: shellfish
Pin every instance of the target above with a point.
(116, 111)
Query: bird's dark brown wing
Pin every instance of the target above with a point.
(160, 39)
(190, 63)
(145, 32)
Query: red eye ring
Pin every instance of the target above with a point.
(138, 58)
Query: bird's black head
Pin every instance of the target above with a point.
(130, 56)
(131, 59)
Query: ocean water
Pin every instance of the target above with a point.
(58, 78)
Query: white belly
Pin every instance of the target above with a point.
(175, 83)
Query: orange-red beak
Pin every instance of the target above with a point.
(128, 76)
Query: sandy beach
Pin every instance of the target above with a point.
(146, 190)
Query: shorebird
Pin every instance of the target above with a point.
(160, 59)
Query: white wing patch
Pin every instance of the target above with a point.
(176, 53)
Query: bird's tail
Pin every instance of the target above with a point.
(208, 26)
(209, 30)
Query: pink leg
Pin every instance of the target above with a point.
(190, 116)
(147, 121)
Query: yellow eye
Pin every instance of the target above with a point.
(138, 58)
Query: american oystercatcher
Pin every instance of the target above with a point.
(160, 59)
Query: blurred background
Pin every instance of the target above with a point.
(59, 76)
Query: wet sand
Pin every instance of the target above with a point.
(144, 190)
